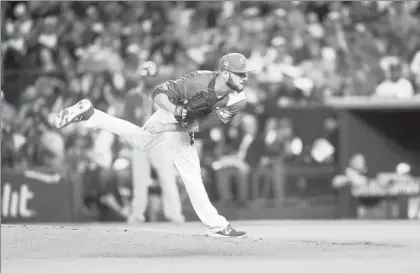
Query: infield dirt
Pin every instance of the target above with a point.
(271, 246)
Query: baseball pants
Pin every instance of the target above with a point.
(184, 156)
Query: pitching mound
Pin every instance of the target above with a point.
(276, 246)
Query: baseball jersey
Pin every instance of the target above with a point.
(188, 85)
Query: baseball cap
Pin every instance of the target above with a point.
(234, 62)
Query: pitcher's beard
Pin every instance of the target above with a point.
(234, 86)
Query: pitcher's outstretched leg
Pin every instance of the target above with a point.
(84, 111)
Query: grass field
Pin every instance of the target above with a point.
(271, 246)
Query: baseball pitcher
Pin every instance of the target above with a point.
(194, 102)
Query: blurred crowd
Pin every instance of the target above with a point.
(55, 53)
(368, 191)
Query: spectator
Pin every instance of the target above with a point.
(415, 69)
(324, 149)
(355, 173)
(316, 68)
(395, 84)
(278, 60)
(52, 150)
(107, 191)
(272, 149)
(10, 146)
(238, 161)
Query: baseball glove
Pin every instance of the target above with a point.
(197, 106)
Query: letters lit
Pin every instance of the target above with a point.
(15, 203)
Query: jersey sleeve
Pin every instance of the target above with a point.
(219, 116)
(175, 89)
(226, 113)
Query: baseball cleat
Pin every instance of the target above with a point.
(227, 232)
(82, 110)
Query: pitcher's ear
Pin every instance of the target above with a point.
(225, 75)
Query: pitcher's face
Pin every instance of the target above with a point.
(236, 81)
